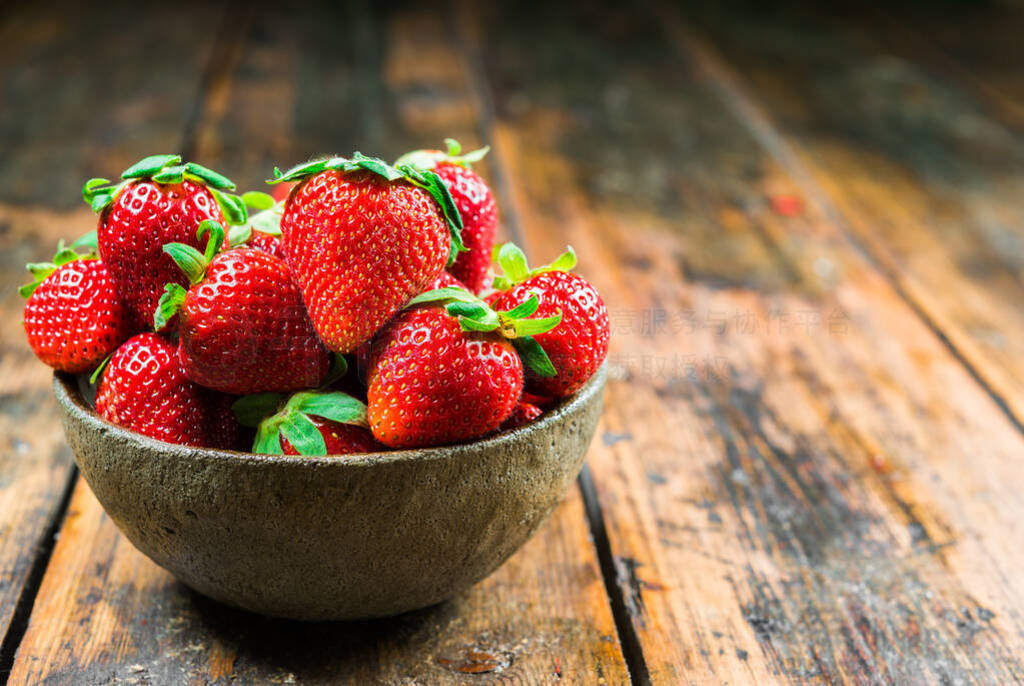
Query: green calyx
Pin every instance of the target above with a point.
(266, 219)
(424, 178)
(475, 314)
(167, 169)
(273, 417)
(65, 254)
(429, 159)
(193, 263)
(515, 269)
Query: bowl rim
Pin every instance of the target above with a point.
(69, 396)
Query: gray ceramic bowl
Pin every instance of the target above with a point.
(332, 538)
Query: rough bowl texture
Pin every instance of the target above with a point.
(332, 538)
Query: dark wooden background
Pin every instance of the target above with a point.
(808, 228)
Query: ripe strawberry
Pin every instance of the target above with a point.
(159, 201)
(521, 416)
(578, 346)
(243, 326)
(432, 383)
(362, 238)
(268, 243)
(476, 205)
(144, 389)
(307, 423)
(73, 315)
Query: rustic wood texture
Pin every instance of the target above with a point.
(72, 107)
(905, 158)
(805, 226)
(543, 617)
(793, 489)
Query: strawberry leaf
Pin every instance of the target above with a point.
(525, 328)
(448, 293)
(209, 177)
(339, 368)
(336, 406)
(170, 175)
(470, 324)
(258, 200)
(429, 159)
(253, 409)
(148, 166)
(170, 302)
(303, 434)
(239, 234)
(523, 309)
(216, 241)
(192, 262)
(268, 438)
(377, 166)
(232, 206)
(98, 372)
(534, 357)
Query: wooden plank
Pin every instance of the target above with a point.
(542, 618)
(67, 92)
(800, 482)
(911, 163)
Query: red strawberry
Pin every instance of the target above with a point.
(521, 416)
(73, 316)
(362, 238)
(144, 389)
(432, 383)
(577, 346)
(243, 326)
(307, 423)
(159, 201)
(268, 243)
(476, 205)
(339, 439)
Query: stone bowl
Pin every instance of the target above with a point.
(331, 538)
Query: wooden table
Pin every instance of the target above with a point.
(809, 231)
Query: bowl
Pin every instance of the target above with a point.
(322, 538)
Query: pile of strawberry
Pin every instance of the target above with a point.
(212, 319)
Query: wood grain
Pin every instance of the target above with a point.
(800, 482)
(910, 162)
(544, 617)
(67, 92)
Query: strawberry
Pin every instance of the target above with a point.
(243, 326)
(362, 238)
(521, 416)
(144, 388)
(307, 423)
(431, 383)
(73, 316)
(476, 206)
(445, 370)
(159, 200)
(578, 346)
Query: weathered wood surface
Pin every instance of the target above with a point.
(808, 468)
(543, 617)
(72, 107)
(899, 143)
(800, 482)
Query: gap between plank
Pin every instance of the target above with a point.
(732, 94)
(27, 599)
(629, 640)
(225, 53)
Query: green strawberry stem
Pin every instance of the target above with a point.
(424, 178)
(167, 169)
(474, 314)
(291, 419)
(193, 263)
(429, 159)
(515, 268)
